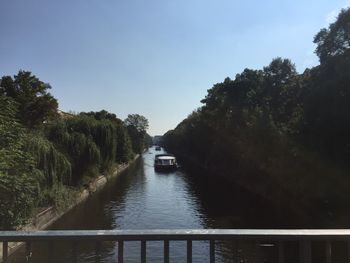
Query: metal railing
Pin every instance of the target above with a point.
(279, 237)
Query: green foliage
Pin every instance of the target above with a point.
(60, 196)
(94, 135)
(18, 177)
(277, 132)
(38, 166)
(137, 126)
(35, 104)
(326, 112)
(124, 146)
(148, 140)
(335, 40)
(54, 165)
(17, 198)
(139, 122)
(74, 137)
(124, 151)
(92, 140)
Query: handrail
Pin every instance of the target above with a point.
(279, 236)
(176, 234)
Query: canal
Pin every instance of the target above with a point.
(141, 198)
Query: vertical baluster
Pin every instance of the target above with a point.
(233, 247)
(74, 252)
(29, 251)
(212, 251)
(305, 251)
(120, 251)
(50, 254)
(98, 252)
(189, 251)
(4, 252)
(143, 251)
(257, 252)
(235, 255)
(280, 246)
(166, 251)
(328, 252)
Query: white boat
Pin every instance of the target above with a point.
(158, 148)
(165, 162)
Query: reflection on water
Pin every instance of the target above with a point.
(141, 198)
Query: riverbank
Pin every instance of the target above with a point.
(49, 215)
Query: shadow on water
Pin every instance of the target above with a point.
(231, 206)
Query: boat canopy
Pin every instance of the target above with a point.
(165, 158)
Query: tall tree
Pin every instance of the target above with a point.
(124, 148)
(334, 40)
(35, 104)
(138, 121)
(137, 126)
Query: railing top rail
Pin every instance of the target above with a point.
(177, 234)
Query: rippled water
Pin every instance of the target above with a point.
(141, 198)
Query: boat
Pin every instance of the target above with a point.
(158, 148)
(165, 162)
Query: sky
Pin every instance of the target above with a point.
(156, 58)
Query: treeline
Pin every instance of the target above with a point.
(46, 155)
(278, 133)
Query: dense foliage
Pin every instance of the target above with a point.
(46, 154)
(281, 134)
(35, 104)
(18, 177)
(137, 126)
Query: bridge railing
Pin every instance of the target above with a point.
(278, 237)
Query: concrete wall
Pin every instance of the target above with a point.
(49, 215)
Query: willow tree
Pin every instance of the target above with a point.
(88, 143)
(53, 164)
(18, 176)
(124, 146)
(105, 137)
(73, 138)
(123, 151)
(102, 132)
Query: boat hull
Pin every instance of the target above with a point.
(162, 168)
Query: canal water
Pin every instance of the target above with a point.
(141, 198)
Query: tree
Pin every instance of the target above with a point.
(35, 104)
(124, 151)
(279, 72)
(137, 125)
(138, 121)
(18, 177)
(280, 89)
(103, 114)
(326, 108)
(336, 39)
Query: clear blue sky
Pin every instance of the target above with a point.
(153, 57)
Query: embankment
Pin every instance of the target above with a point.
(49, 215)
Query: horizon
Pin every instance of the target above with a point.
(156, 59)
